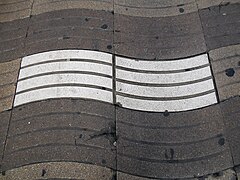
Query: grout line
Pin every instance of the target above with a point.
(10, 118)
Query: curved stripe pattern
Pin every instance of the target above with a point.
(164, 85)
(67, 73)
(154, 8)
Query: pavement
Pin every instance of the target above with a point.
(120, 90)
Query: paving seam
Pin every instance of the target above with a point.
(10, 118)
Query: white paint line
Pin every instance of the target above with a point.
(66, 54)
(161, 106)
(65, 66)
(176, 91)
(164, 78)
(64, 79)
(63, 92)
(163, 65)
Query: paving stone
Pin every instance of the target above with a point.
(65, 73)
(221, 25)
(208, 3)
(8, 78)
(12, 35)
(70, 29)
(157, 86)
(226, 69)
(59, 170)
(42, 6)
(172, 145)
(232, 123)
(4, 119)
(13, 10)
(154, 8)
(61, 130)
(158, 37)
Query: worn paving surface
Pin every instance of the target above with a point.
(161, 56)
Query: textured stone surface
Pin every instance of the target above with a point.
(8, 78)
(70, 29)
(12, 35)
(221, 25)
(158, 38)
(208, 3)
(61, 130)
(42, 6)
(4, 120)
(59, 170)
(11, 10)
(154, 8)
(226, 70)
(172, 145)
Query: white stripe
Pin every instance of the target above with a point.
(64, 79)
(161, 106)
(62, 92)
(65, 66)
(66, 54)
(164, 78)
(163, 65)
(175, 91)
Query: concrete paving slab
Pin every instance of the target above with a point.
(42, 6)
(154, 8)
(232, 123)
(158, 38)
(221, 25)
(172, 145)
(59, 170)
(70, 29)
(208, 3)
(164, 85)
(226, 69)
(65, 73)
(4, 120)
(61, 130)
(13, 10)
(8, 79)
(12, 39)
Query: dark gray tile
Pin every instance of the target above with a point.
(61, 130)
(70, 29)
(221, 25)
(175, 145)
(158, 37)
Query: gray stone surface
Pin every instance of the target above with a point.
(221, 25)
(70, 29)
(158, 38)
(12, 35)
(172, 145)
(4, 120)
(59, 170)
(8, 78)
(226, 70)
(61, 130)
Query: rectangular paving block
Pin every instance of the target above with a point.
(221, 25)
(8, 79)
(43, 6)
(177, 85)
(154, 8)
(226, 70)
(172, 145)
(158, 37)
(61, 130)
(70, 29)
(65, 73)
(4, 120)
(12, 35)
(13, 10)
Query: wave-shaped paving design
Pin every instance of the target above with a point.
(119, 89)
